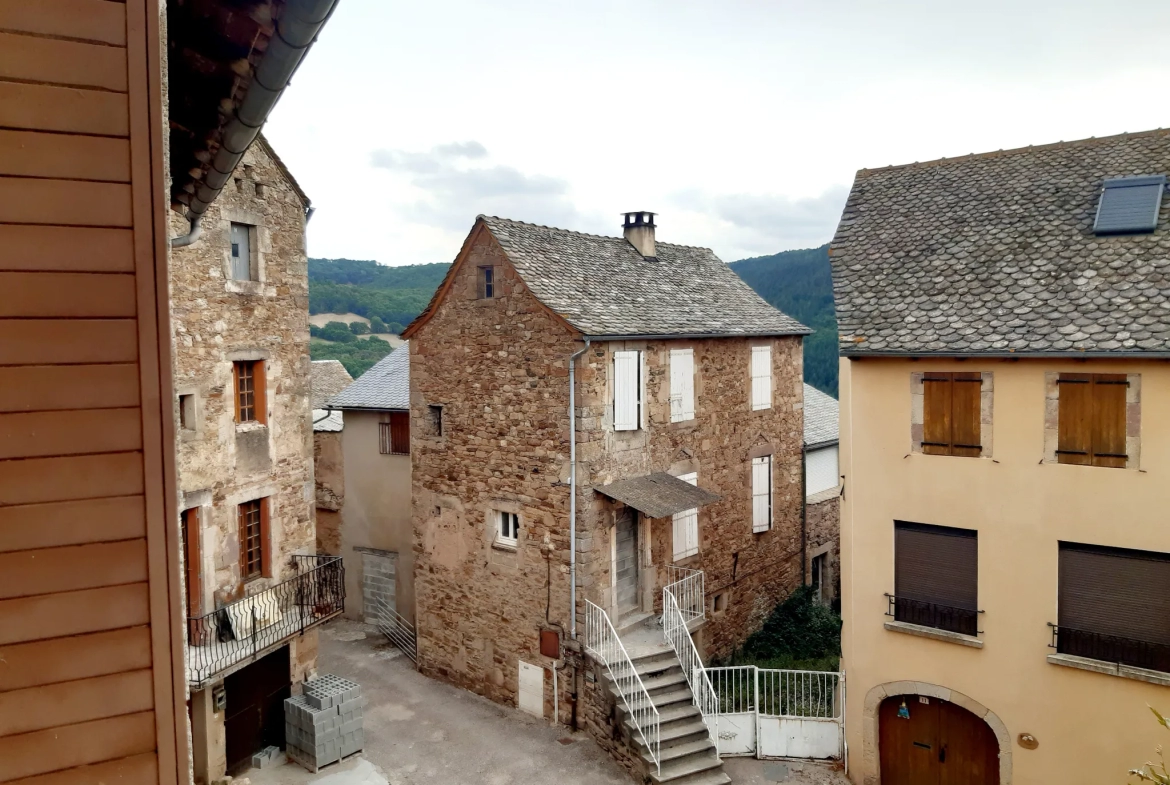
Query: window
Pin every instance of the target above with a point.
(508, 529)
(762, 493)
(1114, 605)
(241, 240)
(254, 555)
(627, 391)
(761, 377)
(251, 399)
(719, 602)
(187, 412)
(686, 526)
(1091, 420)
(820, 569)
(682, 385)
(394, 434)
(951, 414)
(189, 529)
(435, 420)
(936, 573)
(487, 283)
(1129, 205)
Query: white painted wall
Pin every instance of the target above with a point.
(820, 470)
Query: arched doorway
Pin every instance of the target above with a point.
(929, 741)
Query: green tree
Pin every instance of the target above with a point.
(395, 327)
(377, 326)
(359, 328)
(337, 331)
(314, 331)
(1155, 772)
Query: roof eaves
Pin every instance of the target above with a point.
(1060, 355)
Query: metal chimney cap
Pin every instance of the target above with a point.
(639, 218)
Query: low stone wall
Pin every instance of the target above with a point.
(600, 715)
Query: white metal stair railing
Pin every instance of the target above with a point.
(602, 640)
(674, 626)
(396, 628)
(688, 587)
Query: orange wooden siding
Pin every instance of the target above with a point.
(90, 642)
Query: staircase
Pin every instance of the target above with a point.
(685, 747)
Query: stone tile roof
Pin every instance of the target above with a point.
(605, 288)
(385, 386)
(820, 418)
(325, 421)
(329, 377)
(658, 495)
(995, 254)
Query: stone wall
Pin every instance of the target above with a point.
(824, 534)
(329, 487)
(601, 716)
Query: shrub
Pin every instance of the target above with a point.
(377, 326)
(314, 331)
(1154, 772)
(394, 327)
(337, 331)
(359, 328)
(799, 630)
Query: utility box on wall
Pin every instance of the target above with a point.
(550, 644)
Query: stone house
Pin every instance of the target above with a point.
(1004, 446)
(239, 317)
(822, 491)
(679, 392)
(374, 532)
(329, 377)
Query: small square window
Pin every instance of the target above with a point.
(187, 412)
(241, 261)
(719, 603)
(487, 283)
(507, 528)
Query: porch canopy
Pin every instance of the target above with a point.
(658, 495)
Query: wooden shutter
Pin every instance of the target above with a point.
(265, 540)
(762, 493)
(682, 385)
(260, 391)
(1075, 419)
(192, 573)
(966, 408)
(686, 526)
(400, 433)
(1113, 591)
(761, 377)
(236, 389)
(936, 413)
(626, 388)
(1108, 430)
(936, 564)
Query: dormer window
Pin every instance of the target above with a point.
(1129, 205)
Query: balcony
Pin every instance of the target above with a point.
(1114, 651)
(949, 619)
(247, 628)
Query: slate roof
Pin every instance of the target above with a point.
(820, 418)
(603, 287)
(325, 421)
(328, 378)
(995, 254)
(658, 495)
(385, 386)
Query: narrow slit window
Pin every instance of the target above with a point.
(762, 494)
(682, 385)
(487, 283)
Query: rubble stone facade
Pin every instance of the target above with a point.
(490, 434)
(823, 516)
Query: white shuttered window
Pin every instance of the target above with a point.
(686, 526)
(627, 391)
(762, 493)
(682, 385)
(761, 377)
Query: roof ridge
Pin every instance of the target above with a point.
(1016, 150)
(582, 234)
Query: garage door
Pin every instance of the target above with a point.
(255, 708)
(926, 741)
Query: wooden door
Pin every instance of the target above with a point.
(626, 562)
(934, 742)
(254, 718)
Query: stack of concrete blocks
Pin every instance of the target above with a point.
(324, 724)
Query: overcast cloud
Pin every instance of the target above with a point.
(741, 123)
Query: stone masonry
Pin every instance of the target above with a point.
(497, 370)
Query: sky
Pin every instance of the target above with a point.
(740, 122)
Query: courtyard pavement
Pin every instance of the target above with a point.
(420, 731)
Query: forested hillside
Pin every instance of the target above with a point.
(796, 282)
(799, 284)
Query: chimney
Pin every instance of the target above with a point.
(639, 230)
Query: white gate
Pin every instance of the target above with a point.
(772, 713)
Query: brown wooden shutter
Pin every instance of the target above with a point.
(265, 540)
(260, 391)
(1074, 433)
(242, 521)
(936, 564)
(1108, 433)
(966, 407)
(1113, 591)
(400, 433)
(193, 561)
(236, 389)
(936, 413)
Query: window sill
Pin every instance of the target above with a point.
(505, 547)
(1110, 669)
(934, 634)
(244, 287)
(250, 425)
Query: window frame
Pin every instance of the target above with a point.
(505, 520)
(187, 412)
(634, 387)
(485, 282)
(682, 385)
(435, 420)
(756, 493)
(761, 383)
(1092, 434)
(261, 566)
(686, 523)
(250, 246)
(259, 392)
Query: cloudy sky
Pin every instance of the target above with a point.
(740, 122)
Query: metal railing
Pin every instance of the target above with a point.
(688, 587)
(1111, 648)
(674, 626)
(242, 629)
(396, 628)
(736, 687)
(964, 621)
(602, 640)
(775, 692)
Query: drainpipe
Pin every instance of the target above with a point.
(190, 237)
(573, 489)
(803, 515)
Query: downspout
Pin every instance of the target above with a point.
(190, 237)
(296, 31)
(803, 515)
(573, 489)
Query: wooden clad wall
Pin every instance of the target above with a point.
(90, 654)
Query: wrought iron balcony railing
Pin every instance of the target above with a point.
(928, 614)
(243, 629)
(1111, 648)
